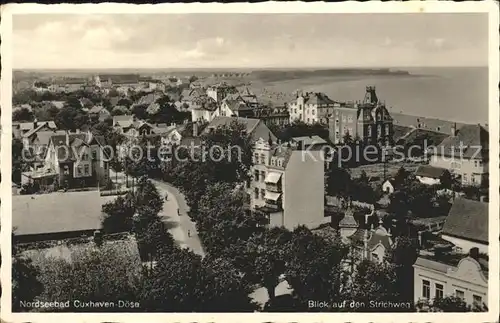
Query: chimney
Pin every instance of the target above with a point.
(97, 237)
(454, 129)
(195, 129)
(474, 253)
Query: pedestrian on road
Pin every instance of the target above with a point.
(189, 233)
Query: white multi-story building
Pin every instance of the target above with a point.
(311, 107)
(288, 184)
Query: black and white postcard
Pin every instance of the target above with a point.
(271, 161)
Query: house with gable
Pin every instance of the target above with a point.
(465, 153)
(77, 160)
(99, 112)
(459, 265)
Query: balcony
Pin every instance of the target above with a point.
(273, 182)
(276, 188)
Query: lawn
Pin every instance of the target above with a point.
(377, 170)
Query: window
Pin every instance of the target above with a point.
(94, 154)
(86, 169)
(387, 129)
(369, 132)
(262, 193)
(79, 170)
(256, 192)
(475, 163)
(313, 112)
(256, 175)
(343, 118)
(262, 176)
(262, 159)
(426, 289)
(256, 158)
(307, 120)
(465, 178)
(66, 170)
(460, 294)
(477, 300)
(349, 119)
(375, 257)
(439, 291)
(379, 131)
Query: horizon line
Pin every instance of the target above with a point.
(249, 67)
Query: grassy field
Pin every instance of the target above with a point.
(377, 170)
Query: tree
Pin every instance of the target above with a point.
(347, 139)
(263, 258)
(338, 181)
(147, 197)
(45, 113)
(314, 269)
(374, 282)
(403, 256)
(446, 180)
(182, 282)
(25, 282)
(223, 221)
(71, 118)
(106, 273)
(118, 215)
(445, 304)
(193, 78)
(139, 111)
(363, 178)
(23, 114)
(401, 176)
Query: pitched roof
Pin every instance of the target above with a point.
(56, 212)
(40, 126)
(124, 121)
(430, 171)
(310, 140)
(235, 105)
(348, 220)
(358, 237)
(318, 98)
(44, 136)
(379, 236)
(254, 127)
(474, 139)
(467, 219)
(97, 109)
(451, 261)
(120, 78)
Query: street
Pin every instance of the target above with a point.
(174, 214)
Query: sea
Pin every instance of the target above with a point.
(457, 94)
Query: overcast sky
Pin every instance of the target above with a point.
(249, 40)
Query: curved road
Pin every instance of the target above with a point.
(179, 225)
